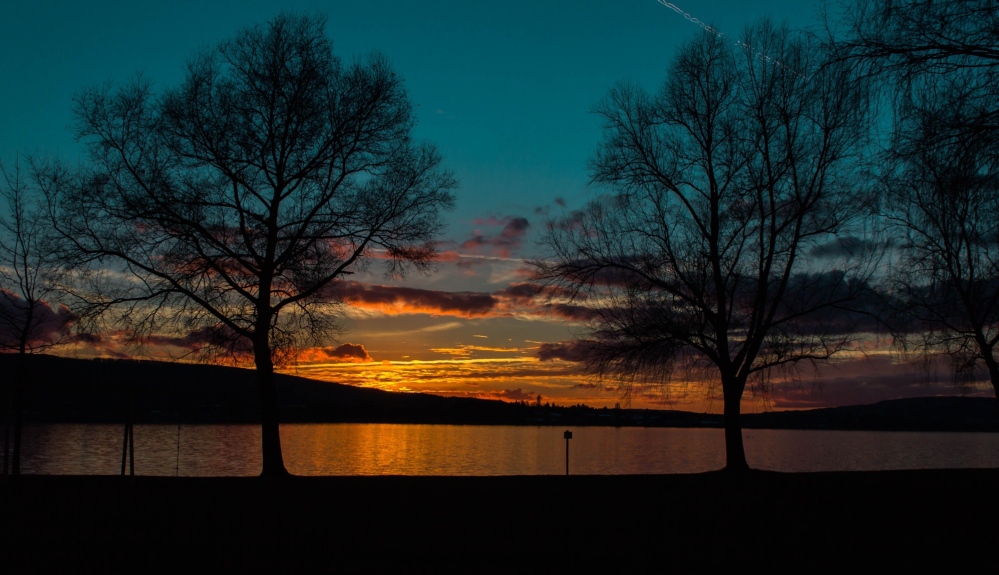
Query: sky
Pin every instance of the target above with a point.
(505, 90)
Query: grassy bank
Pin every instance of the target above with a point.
(787, 522)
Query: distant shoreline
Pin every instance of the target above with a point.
(65, 390)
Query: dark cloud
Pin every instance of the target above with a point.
(49, 324)
(509, 238)
(576, 220)
(491, 221)
(502, 395)
(88, 338)
(219, 337)
(514, 394)
(520, 292)
(412, 300)
(349, 350)
(573, 312)
(558, 201)
(102, 346)
(193, 341)
(538, 299)
(576, 351)
(828, 303)
(618, 271)
(841, 247)
(870, 380)
(346, 352)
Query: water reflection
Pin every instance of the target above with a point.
(95, 449)
(388, 449)
(382, 449)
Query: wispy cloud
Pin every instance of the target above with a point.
(465, 350)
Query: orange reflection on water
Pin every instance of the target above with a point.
(398, 449)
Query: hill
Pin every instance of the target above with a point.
(90, 391)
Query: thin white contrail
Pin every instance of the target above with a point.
(690, 18)
(745, 47)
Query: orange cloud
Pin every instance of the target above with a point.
(347, 352)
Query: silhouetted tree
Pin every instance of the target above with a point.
(933, 56)
(939, 63)
(917, 36)
(29, 319)
(724, 244)
(234, 202)
(942, 204)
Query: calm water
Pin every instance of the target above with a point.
(382, 449)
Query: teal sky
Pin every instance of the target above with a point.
(504, 89)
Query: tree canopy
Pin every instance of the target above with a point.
(939, 65)
(724, 240)
(230, 205)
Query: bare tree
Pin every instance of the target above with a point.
(933, 57)
(939, 63)
(30, 320)
(913, 37)
(734, 191)
(942, 203)
(233, 203)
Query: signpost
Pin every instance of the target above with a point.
(567, 435)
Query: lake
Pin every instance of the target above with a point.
(405, 449)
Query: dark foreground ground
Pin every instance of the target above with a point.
(815, 522)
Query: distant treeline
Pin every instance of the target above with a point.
(111, 391)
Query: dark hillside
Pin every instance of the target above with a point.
(910, 414)
(75, 390)
(65, 389)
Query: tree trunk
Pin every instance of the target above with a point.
(993, 368)
(19, 377)
(15, 462)
(8, 411)
(273, 460)
(735, 454)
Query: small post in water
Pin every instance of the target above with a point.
(567, 435)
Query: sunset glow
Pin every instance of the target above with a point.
(515, 128)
